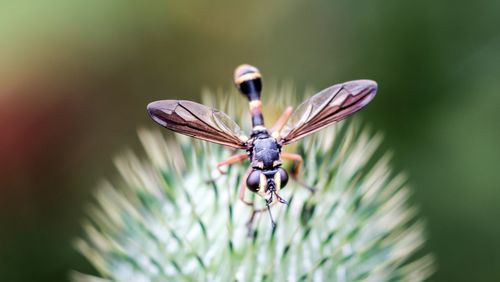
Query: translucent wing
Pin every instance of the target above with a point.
(198, 121)
(326, 107)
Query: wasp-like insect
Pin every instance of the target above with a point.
(265, 176)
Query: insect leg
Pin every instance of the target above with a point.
(250, 230)
(232, 160)
(297, 159)
(243, 188)
(269, 203)
(282, 120)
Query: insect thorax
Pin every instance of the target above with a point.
(265, 151)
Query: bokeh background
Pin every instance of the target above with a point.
(75, 77)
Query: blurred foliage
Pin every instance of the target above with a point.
(75, 78)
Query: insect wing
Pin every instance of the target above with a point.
(198, 121)
(326, 107)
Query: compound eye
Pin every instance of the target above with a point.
(283, 177)
(253, 181)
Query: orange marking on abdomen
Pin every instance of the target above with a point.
(255, 107)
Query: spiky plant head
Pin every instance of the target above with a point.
(171, 217)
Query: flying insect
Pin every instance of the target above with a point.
(265, 175)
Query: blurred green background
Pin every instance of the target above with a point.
(75, 77)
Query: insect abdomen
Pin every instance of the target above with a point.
(248, 80)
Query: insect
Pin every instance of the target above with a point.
(265, 175)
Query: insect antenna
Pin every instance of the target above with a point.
(280, 199)
(268, 204)
(273, 223)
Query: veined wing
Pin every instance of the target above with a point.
(326, 107)
(198, 121)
